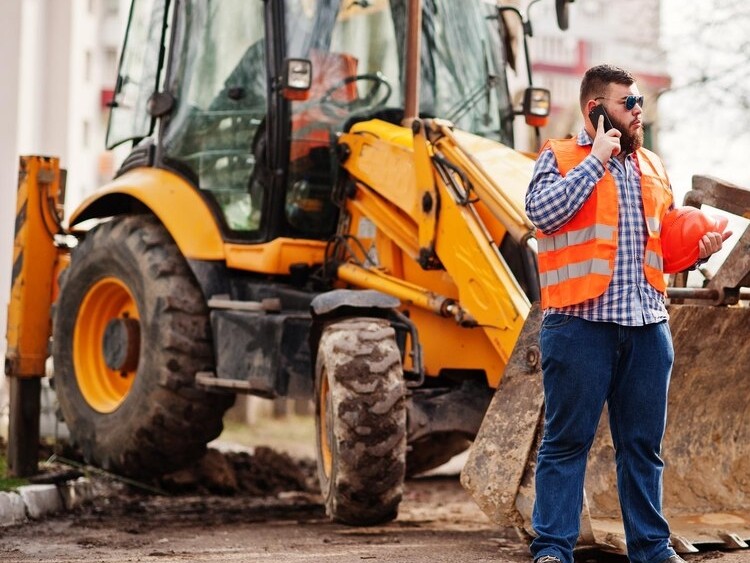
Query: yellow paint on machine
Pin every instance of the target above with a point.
(190, 221)
(35, 263)
(179, 207)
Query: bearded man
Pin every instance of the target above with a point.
(598, 202)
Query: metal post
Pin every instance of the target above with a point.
(413, 54)
(23, 428)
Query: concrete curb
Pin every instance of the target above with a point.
(36, 501)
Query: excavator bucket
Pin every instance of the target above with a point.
(706, 448)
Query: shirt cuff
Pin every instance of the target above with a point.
(595, 165)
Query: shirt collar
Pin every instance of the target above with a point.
(584, 138)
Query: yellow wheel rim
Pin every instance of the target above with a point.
(325, 442)
(104, 389)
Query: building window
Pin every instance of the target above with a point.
(111, 7)
(111, 61)
(86, 133)
(87, 62)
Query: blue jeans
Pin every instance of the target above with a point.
(585, 364)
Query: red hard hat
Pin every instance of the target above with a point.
(682, 229)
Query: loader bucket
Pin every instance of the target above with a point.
(706, 449)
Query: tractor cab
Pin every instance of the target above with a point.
(246, 100)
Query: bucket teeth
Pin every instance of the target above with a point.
(733, 541)
(682, 544)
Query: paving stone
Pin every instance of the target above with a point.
(40, 500)
(12, 509)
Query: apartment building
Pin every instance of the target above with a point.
(59, 65)
(69, 54)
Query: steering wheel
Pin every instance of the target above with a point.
(371, 100)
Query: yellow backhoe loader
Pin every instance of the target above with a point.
(321, 201)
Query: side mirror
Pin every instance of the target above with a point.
(297, 79)
(536, 106)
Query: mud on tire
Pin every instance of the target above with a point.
(361, 421)
(151, 420)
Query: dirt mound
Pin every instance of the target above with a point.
(262, 473)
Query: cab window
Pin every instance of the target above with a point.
(220, 92)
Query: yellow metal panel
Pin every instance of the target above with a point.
(390, 220)
(401, 136)
(494, 227)
(502, 164)
(34, 265)
(179, 207)
(487, 290)
(276, 256)
(437, 281)
(426, 190)
(445, 345)
(385, 165)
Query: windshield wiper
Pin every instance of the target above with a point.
(482, 91)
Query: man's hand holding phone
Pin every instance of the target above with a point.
(607, 138)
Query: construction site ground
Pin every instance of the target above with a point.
(260, 504)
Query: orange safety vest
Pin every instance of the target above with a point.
(577, 261)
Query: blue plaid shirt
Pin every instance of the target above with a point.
(552, 200)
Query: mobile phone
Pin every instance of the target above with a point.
(594, 114)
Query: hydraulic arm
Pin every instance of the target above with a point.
(36, 261)
(444, 210)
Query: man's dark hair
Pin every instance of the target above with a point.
(598, 78)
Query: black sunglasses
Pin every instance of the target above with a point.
(629, 101)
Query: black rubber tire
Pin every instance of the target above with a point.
(361, 421)
(163, 422)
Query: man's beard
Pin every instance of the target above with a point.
(629, 142)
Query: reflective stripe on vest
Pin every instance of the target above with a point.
(572, 271)
(654, 260)
(579, 236)
(654, 225)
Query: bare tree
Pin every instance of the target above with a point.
(705, 115)
(714, 45)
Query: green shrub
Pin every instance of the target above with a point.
(8, 483)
